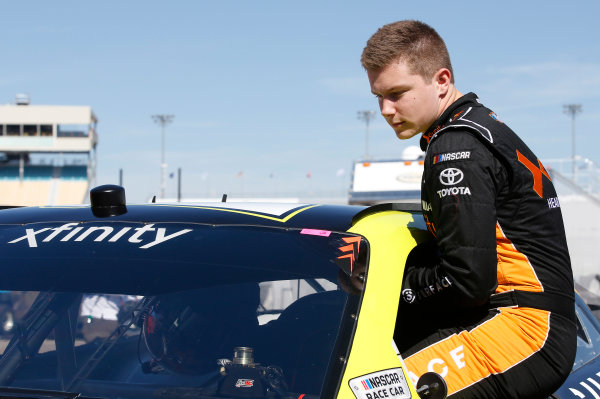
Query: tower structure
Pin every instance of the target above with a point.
(573, 110)
(366, 116)
(163, 120)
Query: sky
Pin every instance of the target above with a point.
(265, 94)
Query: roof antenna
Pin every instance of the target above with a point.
(154, 199)
(224, 198)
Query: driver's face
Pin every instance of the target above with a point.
(408, 102)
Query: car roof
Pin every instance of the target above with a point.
(318, 216)
(180, 246)
(236, 240)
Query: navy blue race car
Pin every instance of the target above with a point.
(222, 300)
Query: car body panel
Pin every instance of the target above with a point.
(584, 381)
(390, 242)
(65, 247)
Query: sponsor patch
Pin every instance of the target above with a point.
(244, 383)
(426, 206)
(148, 235)
(436, 288)
(451, 176)
(495, 117)
(451, 156)
(408, 295)
(389, 383)
(444, 192)
(553, 203)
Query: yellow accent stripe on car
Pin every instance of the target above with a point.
(390, 242)
(60, 206)
(249, 213)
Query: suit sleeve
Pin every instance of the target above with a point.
(461, 180)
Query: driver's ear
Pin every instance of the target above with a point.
(442, 80)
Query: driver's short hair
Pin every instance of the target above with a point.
(413, 42)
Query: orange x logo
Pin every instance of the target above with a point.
(538, 184)
(351, 249)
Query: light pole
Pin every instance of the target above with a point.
(366, 116)
(573, 110)
(163, 120)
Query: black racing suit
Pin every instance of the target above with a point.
(503, 267)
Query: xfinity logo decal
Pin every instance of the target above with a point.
(451, 176)
(139, 235)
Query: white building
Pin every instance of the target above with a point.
(47, 153)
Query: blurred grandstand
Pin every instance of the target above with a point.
(578, 185)
(47, 153)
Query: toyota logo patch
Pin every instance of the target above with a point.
(451, 176)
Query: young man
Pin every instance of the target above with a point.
(497, 305)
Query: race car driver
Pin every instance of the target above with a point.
(497, 304)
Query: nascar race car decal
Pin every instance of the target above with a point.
(381, 384)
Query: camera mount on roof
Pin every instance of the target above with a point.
(108, 200)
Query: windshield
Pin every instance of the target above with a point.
(227, 312)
